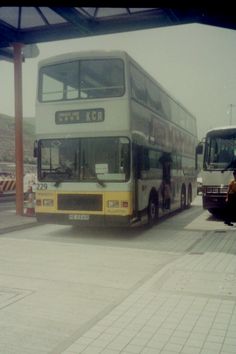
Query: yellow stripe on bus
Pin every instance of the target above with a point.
(114, 203)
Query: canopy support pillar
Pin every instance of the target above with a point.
(17, 51)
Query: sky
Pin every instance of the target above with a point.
(195, 63)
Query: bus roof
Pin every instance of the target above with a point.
(82, 54)
(222, 129)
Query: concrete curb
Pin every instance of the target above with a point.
(9, 229)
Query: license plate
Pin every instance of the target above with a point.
(79, 217)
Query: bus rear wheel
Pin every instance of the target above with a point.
(218, 213)
(183, 198)
(152, 210)
(189, 196)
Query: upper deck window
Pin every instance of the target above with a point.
(84, 79)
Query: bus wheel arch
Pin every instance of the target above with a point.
(153, 207)
(183, 197)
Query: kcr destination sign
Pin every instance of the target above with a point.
(80, 116)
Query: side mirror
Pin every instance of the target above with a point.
(35, 148)
(145, 159)
(199, 149)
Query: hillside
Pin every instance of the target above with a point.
(7, 138)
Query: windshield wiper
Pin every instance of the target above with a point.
(59, 174)
(100, 182)
(58, 181)
(61, 170)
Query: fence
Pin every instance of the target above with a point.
(7, 185)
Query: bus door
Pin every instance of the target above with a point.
(136, 155)
(140, 164)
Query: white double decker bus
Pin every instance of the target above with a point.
(219, 161)
(113, 147)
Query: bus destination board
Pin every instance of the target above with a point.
(80, 116)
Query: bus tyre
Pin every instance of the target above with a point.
(189, 196)
(152, 210)
(216, 212)
(183, 198)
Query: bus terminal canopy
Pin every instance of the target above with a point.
(29, 25)
(25, 26)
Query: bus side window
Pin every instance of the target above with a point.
(140, 160)
(145, 159)
(125, 160)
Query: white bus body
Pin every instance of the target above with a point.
(131, 146)
(219, 161)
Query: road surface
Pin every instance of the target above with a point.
(71, 290)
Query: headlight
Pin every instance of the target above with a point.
(113, 204)
(38, 202)
(48, 202)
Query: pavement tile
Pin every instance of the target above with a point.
(232, 327)
(190, 350)
(92, 333)
(198, 343)
(76, 348)
(217, 332)
(92, 350)
(144, 334)
(174, 347)
(230, 340)
(82, 341)
(229, 348)
(119, 343)
(215, 339)
(139, 341)
(132, 348)
(209, 351)
(102, 341)
(169, 352)
(110, 351)
(113, 330)
(181, 334)
(177, 340)
(157, 344)
(212, 346)
(149, 350)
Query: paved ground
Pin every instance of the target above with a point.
(9, 221)
(170, 289)
(186, 307)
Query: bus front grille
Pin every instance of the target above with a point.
(80, 202)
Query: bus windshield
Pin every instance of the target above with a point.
(84, 159)
(82, 79)
(220, 153)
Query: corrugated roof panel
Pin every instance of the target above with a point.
(10, 15)
(88, 10)
(30, 17)
(111, 11)
(141, 9)
(51, 16)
